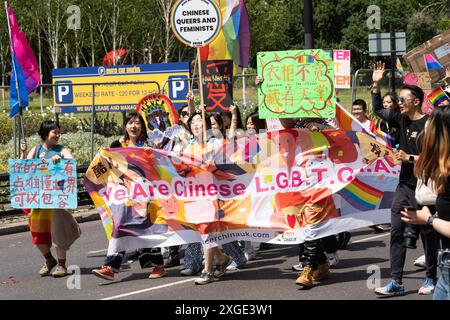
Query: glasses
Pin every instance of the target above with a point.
(402, 100)
(184, 113)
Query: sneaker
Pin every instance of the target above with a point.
(47, 267)
(305, 278)
(297, 267)
(322, 272)
(420, 262)
(188, 272)
(105, 272)
(233, 266)
(427, 286)
(249, 254)
(205, 278)
(59, 272)
(222, 268)
(333, 259)
(393, 288)
(158, 272)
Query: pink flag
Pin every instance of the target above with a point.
(23, 53)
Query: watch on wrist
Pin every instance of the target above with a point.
(430, 221)
(411, 159)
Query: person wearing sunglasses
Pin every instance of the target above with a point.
(410, 122)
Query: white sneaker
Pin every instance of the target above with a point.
(333, 259)
(297, 267)
(420, 262)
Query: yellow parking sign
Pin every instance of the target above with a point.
(119, 88)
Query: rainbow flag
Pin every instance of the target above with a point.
(305, 59)
(25, 70)
(233, 42)
(431, 62)
(400, 68)
(437, 96)
(361, 196)
(346, 121)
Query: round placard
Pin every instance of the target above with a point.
(196, 22)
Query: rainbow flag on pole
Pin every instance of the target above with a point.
(346, 121)
(431, 62)
(437, 96)
(25, 70)
(233, 41)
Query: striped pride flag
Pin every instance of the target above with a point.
(233, 42)
(431, 62)
(361, 196)
(346, 121)
(305, 59)
(437, 96)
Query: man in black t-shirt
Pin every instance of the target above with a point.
(410, 122)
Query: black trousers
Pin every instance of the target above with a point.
(147, 258)
(328, 244)
(405, 197)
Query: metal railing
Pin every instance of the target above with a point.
(6, 210)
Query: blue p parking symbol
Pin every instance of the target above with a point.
(63, 92)
(178, 89)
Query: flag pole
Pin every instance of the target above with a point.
(11, 48)
(195, 67)
(200, 87)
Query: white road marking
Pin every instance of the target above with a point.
(148, 289)
(97, 251)
(189, 280)
(370, 238)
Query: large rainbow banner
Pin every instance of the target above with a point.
(280, 187)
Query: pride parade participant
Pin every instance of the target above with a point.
(410, 122)
(434, 165)
(135, 136)
(51, 225)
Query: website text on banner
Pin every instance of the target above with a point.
(279, 187)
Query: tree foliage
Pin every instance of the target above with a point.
(140, 27)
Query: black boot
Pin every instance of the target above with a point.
(174, 257)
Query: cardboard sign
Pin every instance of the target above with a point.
(438, 47)
(422, 80)
(40, 183)
(196, 22)
(217, 84)
(296, 84)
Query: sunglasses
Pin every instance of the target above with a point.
(184, 113)
(402, 100)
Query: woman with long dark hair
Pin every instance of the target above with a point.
(135, 136)
(433, 166)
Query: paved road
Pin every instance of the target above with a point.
(267, 277)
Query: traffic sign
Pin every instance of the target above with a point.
(380, 44)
